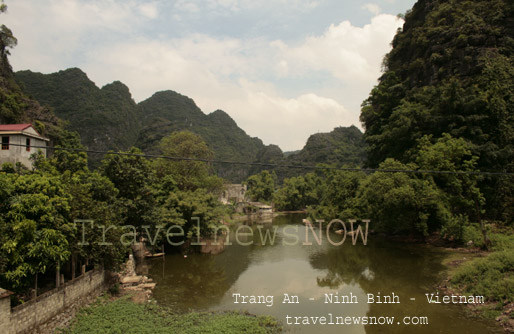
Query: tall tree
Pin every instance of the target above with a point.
(189, 175)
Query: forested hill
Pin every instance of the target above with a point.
(450, 71)
(15, 105)
(109, 119)
(341, 145)
(105, 118)
(168, 111)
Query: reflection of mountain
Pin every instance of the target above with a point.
(384, 267)
(195, 282)
(206, 282)
(374, 268)
(200, 281)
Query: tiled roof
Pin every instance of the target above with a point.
(14, 127)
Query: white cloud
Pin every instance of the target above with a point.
(372, 8)
(240, 76)
(149, 10)
(186, 6)
(149, 66)
(345, 51)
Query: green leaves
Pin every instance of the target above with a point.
(261, 186)
(450, 72)
(36, 222)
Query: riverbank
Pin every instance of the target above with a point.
(472, 270)
(122, 315)
(128, 308)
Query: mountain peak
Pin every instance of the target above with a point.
(221, 117)
(117, 87)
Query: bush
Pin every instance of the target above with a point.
(472, 233)
(502, 242)
(454, 228)
(490, 277)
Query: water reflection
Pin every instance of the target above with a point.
(207, 282)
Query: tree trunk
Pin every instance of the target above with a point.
(35, 287)
(487, 242)
(57, 275)
(73, 266)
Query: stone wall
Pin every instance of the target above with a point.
(28, 317)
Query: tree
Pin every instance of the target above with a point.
(261, 186)
(97, 213)
(336, 196)
(132, 176)
(401, 202)
(195, 211)
(189, 175)
(7, 39)
(461, 190)
(296, 193)
(36, 214)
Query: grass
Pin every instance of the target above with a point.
(122, 316)
(491, 276)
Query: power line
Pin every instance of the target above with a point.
(259, 164)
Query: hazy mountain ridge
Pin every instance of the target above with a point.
(107, 118)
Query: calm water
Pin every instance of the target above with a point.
(207, 282)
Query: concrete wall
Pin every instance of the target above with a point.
(27, 318)
(19, 153)
(5, 312)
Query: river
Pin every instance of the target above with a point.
(208, 282)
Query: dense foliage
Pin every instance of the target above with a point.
(15, 106)
(261, 187)
(342, 145)
(105, 118)
(451, 72)
(64, 215)
(109, 119)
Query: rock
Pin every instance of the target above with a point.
(131, 279)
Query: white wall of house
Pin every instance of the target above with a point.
(21, 154)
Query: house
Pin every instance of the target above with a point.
(18, 141)
(233, 193)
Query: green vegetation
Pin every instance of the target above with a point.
(106, 119)
(491, 275)
(261, 186)
(397, 203)
(450, 72)
(297, 193)
(124, 316)
(109, 119)
(342, 145)
(38, 213)
(488, 277)
(188, 175)
(15, 106)
(129, 197)
(444, 103)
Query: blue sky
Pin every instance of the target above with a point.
(283, 69)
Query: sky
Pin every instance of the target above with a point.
(282, 69)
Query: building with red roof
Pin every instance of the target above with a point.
(19, 142)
